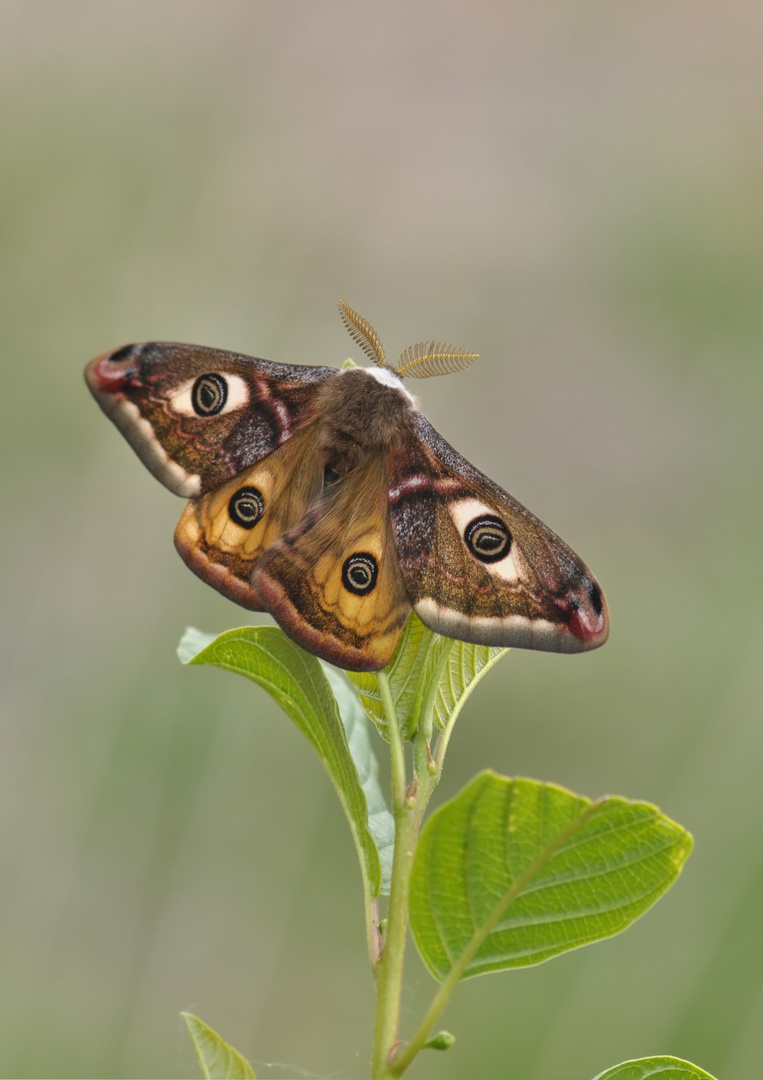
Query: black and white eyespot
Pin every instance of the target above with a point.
(246, 507)
(488, 539)
(209, 394)
(359, 573)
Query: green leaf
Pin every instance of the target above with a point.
(381, 823)
(296, 681)
(218, 1061)
(665, 1068)
(443, 1040)
(512, 872)
(426, 668)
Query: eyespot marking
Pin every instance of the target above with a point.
(246, 507)
(359, 573)
(488, 539)
(209, 394)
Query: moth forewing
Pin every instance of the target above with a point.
(478, 565)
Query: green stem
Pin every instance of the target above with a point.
(408, 809)
(373, 938)
(389, 970)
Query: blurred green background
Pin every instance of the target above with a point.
(575, 190)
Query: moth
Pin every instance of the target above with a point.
(326, 498)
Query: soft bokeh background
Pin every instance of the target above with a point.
(576, 191)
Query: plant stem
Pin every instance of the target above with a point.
(389, 971)
(408, 809)
(373, 937)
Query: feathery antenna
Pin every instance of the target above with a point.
(420, 361)
(361, 331)
(433, 358)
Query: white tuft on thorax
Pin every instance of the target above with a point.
(389, 378)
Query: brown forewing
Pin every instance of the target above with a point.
(549, 600)
(215, 448)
